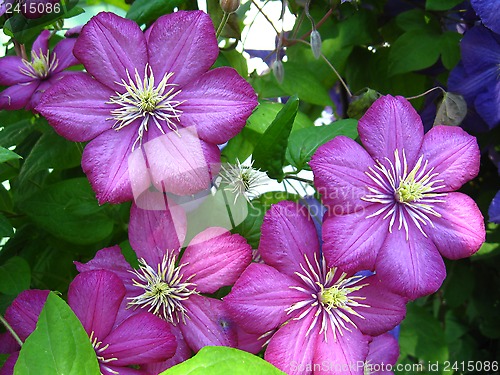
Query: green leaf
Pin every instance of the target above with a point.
(216, 360)
(7, 155)
(15, 126)
(15, 276)
(414, 50)
(69, 210)
(25, 30)
(422, 336)
(5, 227)
(58, 346)
(450, 49)
(51, 151)
(250, 227)
(303, 143)
(146, 11)
(266, 112)
(269, 153)
(301, 82)
(234, 59)
(441, 4)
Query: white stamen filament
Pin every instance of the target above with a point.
(332, 300)
(405, 194)
(96, 344)
(163, 289)
(147, 101)
(40, 66)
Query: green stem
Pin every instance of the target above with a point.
(11, 330)
(228, 209)
(292, 177)
(223, 22)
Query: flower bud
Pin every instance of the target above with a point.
(278, 71)
(316, 44)
(229, 6)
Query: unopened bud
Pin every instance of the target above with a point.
(278, 71)
(316, 44)
(229, 6)
(360, 103)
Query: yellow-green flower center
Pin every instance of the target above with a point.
(334, 297)
(409, 192)
(41, 65)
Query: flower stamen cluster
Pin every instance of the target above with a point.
(145, 100)
(163, 289)
(332, 298)
(41, 65)
(405, 194)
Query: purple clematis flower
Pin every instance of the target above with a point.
(476, 77)
(313, 314)
(28, 80)
(95, 297)
(392, 207)
(151, 93)
(488, 11)
(169, 285)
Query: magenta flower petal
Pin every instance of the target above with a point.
(142, 338)
(391, 123)
(412, 267)
(250, 342)
(209, 323)
(64, 53)
(152, 232)
(10, 71)
(288, 233)
(41, 43)
(339, 168)
(453, 154)
(183, 43)
(110, 258)
(216, 258)
(351, 241)
(177, 164)
(8, 366)
(110, 46)
(113, 370)
(182, 353)
(385, 311)
(459, 232)
(291, 349)
(341, 355)
(383, 350)
(217, 104)
(76, 108)
(17, 96)
(95, 297)
(8, 343)
(107, 173)
(259, 299)
(24, 311)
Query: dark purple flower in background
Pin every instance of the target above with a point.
(476, 77)
(171, 286)
(494, 210)
(310, 312)
(392, 207)
(153, 93)
(489, 12)
(28, 80)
